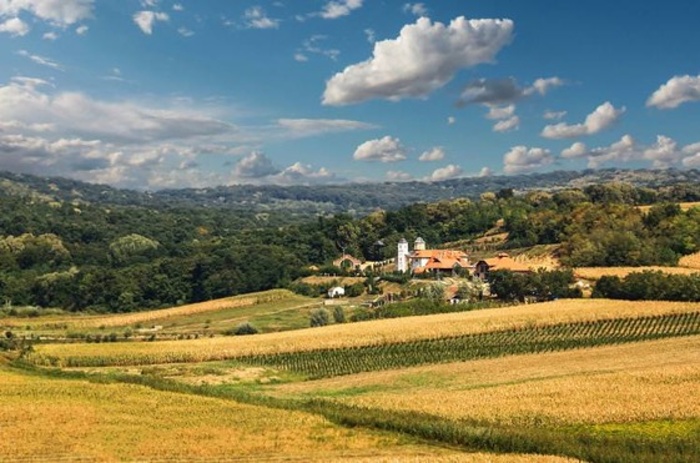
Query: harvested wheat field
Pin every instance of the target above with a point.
(352, 334)
(691, 261)
(683, 206)
(641, 382)
(68, 420)
(594, 273)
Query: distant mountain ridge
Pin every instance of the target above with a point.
(351, 197)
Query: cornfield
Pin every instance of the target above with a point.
(354, 335)
(691, 261)
(68, 420)
(336, 362)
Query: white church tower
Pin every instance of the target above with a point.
(402, 256)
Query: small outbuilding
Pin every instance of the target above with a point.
(337, 291)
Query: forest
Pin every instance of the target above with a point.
(80, 255)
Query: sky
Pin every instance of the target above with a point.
(154, 94)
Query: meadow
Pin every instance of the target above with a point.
(595, 273)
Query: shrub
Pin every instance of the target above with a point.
(242, 329)
(319, 317)
(339, 314)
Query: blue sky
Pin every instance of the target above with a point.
(153, 94)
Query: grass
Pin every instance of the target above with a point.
(268, 311)
(377, 332)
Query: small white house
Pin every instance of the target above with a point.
(337, 291)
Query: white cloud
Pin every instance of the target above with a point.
(522, 159)
(300, 57)
(445, 173)
(501, 112)
(15, 27)
(178, 7)
(256, 18)
(303, 174)
(297, 128)
(542, 86)
(339, 8)
(434, 154)
(422, 59)
(664, 153)
(398, 176)
(554, 115)
(146, 19)
(504, 91)
(507, 125)
(577, 150)
(678, 90)
(311, 46)
(602, 118)
(255, 165)
(41, 60)
(692, 155)
(418, 9)
(485, 172)
(50, 36)
(60, 13)
(385, 149)
(371, 35)
(185, 32)
(451, 120)
(82, 30)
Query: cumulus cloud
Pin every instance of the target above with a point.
(298, 128)
(146, 19)
(501, 112)
(304, 174)
(387, 149)
(15, 27)
(602, 118)
(434, 154)
(451, 120)
(521, 159)
(485, 172)
(256, 18)
(61, 13)
(339, 8)
(576, 150)
(664, 153)
(398, 176)
(678, 90)
(255, 165)
(424, 57)
(445, 173)
(504, 91)
(82, 30)
(507, 125)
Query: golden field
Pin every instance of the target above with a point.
(683, 206)
(594, 273)
(690, 261)
(641, 382)
(352, 334)
(67, 420)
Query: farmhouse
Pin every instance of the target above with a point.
(337, 291)
(501, 262)
(422, 260)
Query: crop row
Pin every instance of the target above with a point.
(335, 362)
